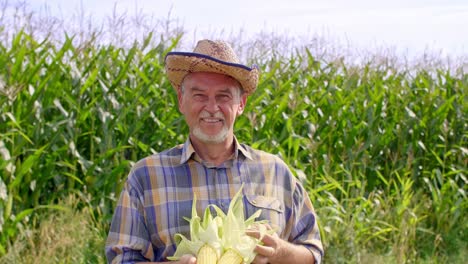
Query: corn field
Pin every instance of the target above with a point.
(382, 150)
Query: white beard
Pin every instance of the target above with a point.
(218, 138)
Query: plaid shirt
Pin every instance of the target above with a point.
(160, 189)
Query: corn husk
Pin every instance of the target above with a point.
(224, 232)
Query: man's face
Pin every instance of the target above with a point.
(210, 103)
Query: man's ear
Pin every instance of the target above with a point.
(180, 99)
(242, 103)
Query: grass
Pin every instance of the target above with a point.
(380, 147)
(63, 236)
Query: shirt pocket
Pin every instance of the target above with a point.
(272, 209)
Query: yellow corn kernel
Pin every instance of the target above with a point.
(206, 255)
(230, 257)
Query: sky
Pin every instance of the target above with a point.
(408, 26)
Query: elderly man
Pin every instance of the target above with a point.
(212, 90)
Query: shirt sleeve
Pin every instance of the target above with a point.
(305, 230)
(128, 240)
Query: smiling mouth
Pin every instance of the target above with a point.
(211, 120)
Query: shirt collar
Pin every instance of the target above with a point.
(188, 151)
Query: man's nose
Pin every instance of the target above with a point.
(212, 105)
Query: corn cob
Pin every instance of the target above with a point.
(207, 255)
(230, 257)
(210, 236)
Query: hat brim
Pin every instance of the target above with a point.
(179, 64)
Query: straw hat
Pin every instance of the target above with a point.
(210, 56)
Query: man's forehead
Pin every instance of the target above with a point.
(223, 89)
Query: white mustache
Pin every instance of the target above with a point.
(206, 114)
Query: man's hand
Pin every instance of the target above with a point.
(185, 259)
(277, 251)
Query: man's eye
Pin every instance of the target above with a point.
(199, 97)
(223, 97)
